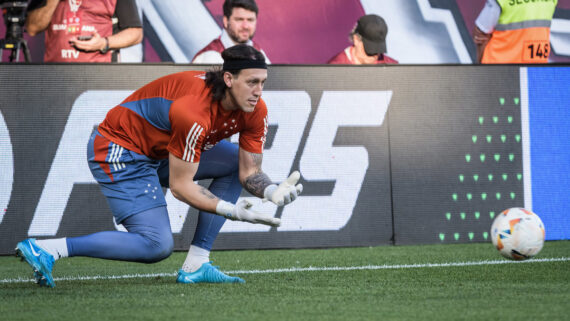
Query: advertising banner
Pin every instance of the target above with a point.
(388, 155)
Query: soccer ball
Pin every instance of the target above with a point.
(518, 233)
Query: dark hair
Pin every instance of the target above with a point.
(215, 77)
(229, 6)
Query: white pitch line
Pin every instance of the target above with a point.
(299, 269)
(398, 266)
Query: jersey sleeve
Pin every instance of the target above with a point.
(489, 16)
(188, 131)
(127, 14)
(253, 137)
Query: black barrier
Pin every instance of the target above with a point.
(456, 150)
(388, 155)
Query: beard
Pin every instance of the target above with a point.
(235, 37)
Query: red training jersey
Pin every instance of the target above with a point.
(345, 57)
(175, 114)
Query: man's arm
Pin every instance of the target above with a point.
(39, 19)
(126, 38)
(484, 26)
(183, 188)
(251, 176)
(481, 39)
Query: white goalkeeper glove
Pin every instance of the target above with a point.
(286, 192)
(241, 212)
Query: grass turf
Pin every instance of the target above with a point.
(522, 291)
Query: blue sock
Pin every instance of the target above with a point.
(148, 240)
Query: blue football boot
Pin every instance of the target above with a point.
(40, 260)
(207, 273)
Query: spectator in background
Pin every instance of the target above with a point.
(368, 43)
(240, 20)
(510, 31)
(82, 30)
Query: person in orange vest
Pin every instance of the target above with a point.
(514, 31)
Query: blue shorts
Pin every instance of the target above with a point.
(131, 182)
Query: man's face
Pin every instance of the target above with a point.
(240, 25)
(246, 87)
(360, 54)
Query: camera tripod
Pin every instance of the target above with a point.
(14, 17)
(15, 45)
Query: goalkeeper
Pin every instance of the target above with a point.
(170, 133)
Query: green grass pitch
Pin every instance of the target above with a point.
(429, 282)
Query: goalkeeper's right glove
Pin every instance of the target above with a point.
(242, 212)
(286, 192)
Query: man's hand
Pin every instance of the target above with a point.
(95, 43)
(286, 192)
(480, 39)
(242, 212)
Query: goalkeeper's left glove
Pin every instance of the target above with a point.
(286, 192)
(242, 211)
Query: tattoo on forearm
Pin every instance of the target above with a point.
(207, 193)
(256, 183)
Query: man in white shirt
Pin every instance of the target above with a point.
(240, 20)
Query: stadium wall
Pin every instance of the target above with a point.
(388, 155)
